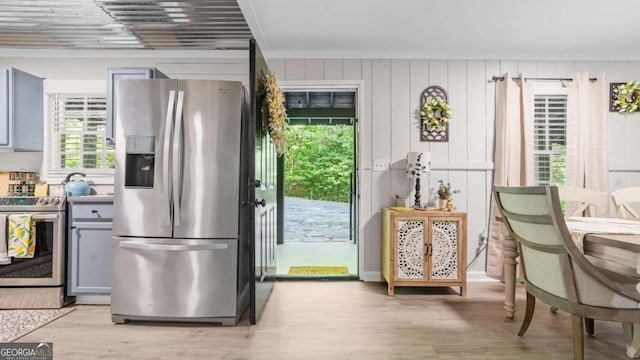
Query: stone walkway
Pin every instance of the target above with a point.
(315, 220)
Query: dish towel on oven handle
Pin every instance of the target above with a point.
(22, 235)
(4, 253)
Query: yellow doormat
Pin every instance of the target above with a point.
(318, 270)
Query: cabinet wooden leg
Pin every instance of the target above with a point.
(463, 291)
(389, 289)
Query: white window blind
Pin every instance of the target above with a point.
(549, 138)
(77, 128)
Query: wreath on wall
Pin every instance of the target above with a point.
(274, 113)
(627, 97)
(435, 114)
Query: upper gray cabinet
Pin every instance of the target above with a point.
(21, 111)
(117, 73)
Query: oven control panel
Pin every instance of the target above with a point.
(13, 201)
(32, 202)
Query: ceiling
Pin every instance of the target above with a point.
(446, 29)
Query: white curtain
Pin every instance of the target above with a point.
(587, 164)
(513, 162)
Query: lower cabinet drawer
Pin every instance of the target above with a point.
(92, 211)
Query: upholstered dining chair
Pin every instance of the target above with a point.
(622, 200)
(558, 274)
(586, 201)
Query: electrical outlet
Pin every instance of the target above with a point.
(482, 241)
(380, 165)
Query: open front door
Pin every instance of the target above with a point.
(263, 185)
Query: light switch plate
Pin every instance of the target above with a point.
(380, 165)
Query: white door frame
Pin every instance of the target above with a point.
(358, 85)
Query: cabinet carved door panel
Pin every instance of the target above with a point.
(444, 242)
(410, 249)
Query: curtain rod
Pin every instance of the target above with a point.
(500, 78)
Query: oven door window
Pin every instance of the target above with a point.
(41, 265)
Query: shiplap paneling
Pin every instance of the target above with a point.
(313, 70)
(528, 68)
(457, 81)
(617, 124)
(491, 68)
(400, 112)
(380, 198)
(352, 70)
(546, 68)
(419, 79)
(367, 229)
(365, 119)
(619, 130)
(381, 123)
(370, 263)
(294, 69)
(509, 66)
(476, 111)
(333, 69)
(438, 75)
(597, 67)
(565, 68)
(466, 160)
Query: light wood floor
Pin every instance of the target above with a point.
(341, 320)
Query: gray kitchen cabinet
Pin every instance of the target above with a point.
(90, 232)
(21, 110)
(115, 74)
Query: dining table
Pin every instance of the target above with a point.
(614, 240)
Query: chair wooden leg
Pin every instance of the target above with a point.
(632, 339)
(578, 337)
(528, 315)
(589, 326)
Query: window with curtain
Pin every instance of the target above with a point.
(77, 125)
(549, 134)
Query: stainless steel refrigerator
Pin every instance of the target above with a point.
(177, 250)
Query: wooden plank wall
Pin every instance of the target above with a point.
(388, 130)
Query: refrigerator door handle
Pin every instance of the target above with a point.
(166, 148)
(177, 161)
(171, 247)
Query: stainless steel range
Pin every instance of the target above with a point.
(36, 282)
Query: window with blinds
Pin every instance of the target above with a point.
(77, 127)
(549, 138)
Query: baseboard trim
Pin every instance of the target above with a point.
(472, 276)
(373, 276)
(93, 299)
(478, 276)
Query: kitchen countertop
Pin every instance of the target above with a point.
(90, 198)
